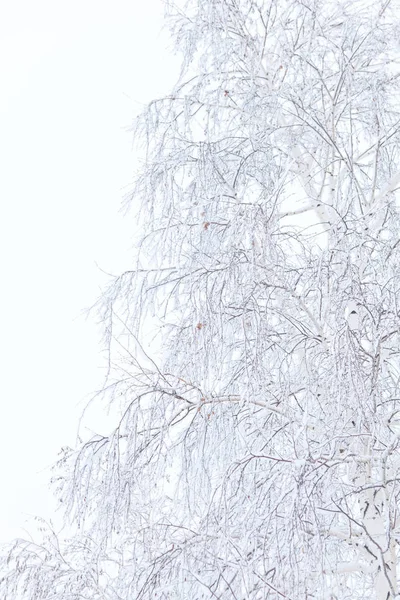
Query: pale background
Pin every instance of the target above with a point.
(73, 74)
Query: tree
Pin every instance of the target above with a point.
(254, 346)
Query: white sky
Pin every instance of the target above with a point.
(72, 75)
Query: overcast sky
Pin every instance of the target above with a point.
(73, 74)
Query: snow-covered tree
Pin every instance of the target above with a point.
(254, 347)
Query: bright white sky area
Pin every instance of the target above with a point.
(72, 74)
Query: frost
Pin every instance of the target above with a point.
(254, 345)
